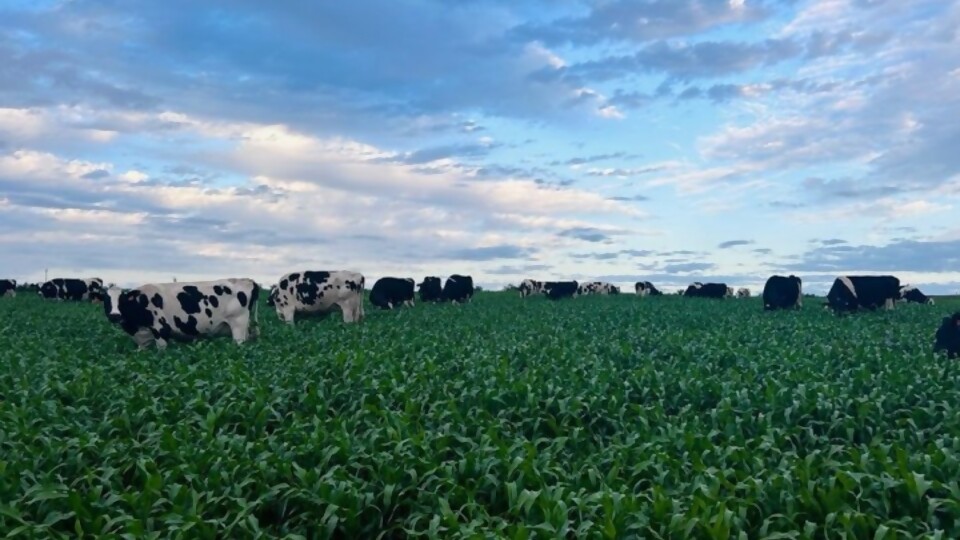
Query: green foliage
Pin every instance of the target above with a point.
(596, 417)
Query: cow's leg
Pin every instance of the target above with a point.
(286, 314)
(240, 327)
(888, 304)
(143, 338)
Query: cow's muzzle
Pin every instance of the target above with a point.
(115, 318)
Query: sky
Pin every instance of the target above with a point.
(663, 140)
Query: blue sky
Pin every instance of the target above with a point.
(663, 140)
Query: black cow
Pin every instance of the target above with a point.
(850, 293)
(948, 336)
(556, 290)
(645, 288)
(909, 293)
(430, 289)
(390, 292)
(458, 288)
(72, 289)
(708, 290)
(783, 292)
(8, 287)
(184, 311)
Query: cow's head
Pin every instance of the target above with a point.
(111, 304)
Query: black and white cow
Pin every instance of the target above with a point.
(313, 292)
(8, 287)
(850, 293)
(783, 292)
(597, 287)
(431, 289)
(743, 292)
(708, 290)
(458, 288)
(72, 289)
(909, 293)
(556, 290)
(390, 292)
(185, 311)
(530, 286)
(645, 288)
(948, 336)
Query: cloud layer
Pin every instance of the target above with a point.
(679, 139)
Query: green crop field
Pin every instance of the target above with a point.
(597, 417)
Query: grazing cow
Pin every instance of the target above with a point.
(458, 288)
(743, 292)
(782, 292)
(389, 292)
(184, 311)
(530, 286)
(708, 290)
(430, 289)
(312, 292)
(850, 293)
(72, 289)
(597, 287)
(556, 290)
(948, 336)
(909, 293)
(645, 288)
(8, 287)
(272, 295)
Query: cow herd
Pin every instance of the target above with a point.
(157, 313)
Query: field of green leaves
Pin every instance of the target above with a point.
(598, 417)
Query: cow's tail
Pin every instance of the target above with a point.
(254, 306)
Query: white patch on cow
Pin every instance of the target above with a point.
(743, 292)
(848, 284)
(888, 303)
(114, 294)
(799, 300)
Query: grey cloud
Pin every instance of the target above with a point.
(588, 234)
(686, 267)
(626, 20)
(613, 254)
(519, 270)
(833, 241)
(592, 159)
(763, 251)
(683, 61)
(637, 198)
(902, 256)
(504, 251)
(93, 175)
(734, 243)
(426, 155)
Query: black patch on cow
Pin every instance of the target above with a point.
(157, 300)
(190, 299)
(134, 308)
(242, 297)
(214, 301)
(283, 284)
(209, 312)
(227, 290)
(188, 327)
(293, 277)
(254, 295)
(165, 331)
(218, 290)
